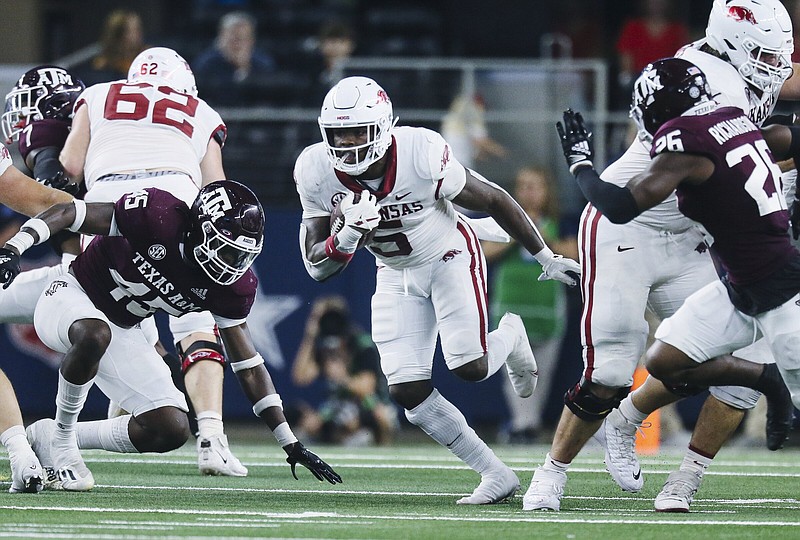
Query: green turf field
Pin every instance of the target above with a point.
(404, 492)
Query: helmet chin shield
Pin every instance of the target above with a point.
(357, 102)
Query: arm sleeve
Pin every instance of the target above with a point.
(614, 202)
(443, 166)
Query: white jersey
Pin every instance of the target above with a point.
(728, 89)
(5, 159)
(138, 126)
(418, 221)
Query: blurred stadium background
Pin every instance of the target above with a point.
(527, 60)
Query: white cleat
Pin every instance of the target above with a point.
(678, 492)
(520, 364)
(545, 491)
(75, 476)
(618, 437)
(214, 458)
(40, 436)
(495, 487)
(27, 475)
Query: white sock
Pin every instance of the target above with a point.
(499, 345)
(695, 462)
(209, 424)
(111, 434)
(551, 464)
(631, 413)
(445, 424)
(69, 402)
(15, 441)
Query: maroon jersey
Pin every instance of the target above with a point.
(741, 204)
(130, 277)
(41, 134)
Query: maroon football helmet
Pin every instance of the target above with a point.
(227, 231)
(42, 92)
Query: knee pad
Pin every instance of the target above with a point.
(684, 390)
(738, 397)
(201, 350)
(587, 406)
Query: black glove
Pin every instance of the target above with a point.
(9, 266)
(794, 217)
(576, 141)
(59, 181)
(308, 459)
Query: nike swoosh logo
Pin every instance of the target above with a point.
(621, 249)
(403, 196)
(454, 440)
(637, 474)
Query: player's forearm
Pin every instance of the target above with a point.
(614, 202)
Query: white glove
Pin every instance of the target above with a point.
(556, 267)
(359, 218)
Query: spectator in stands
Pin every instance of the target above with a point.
(357, 409)
(233, 72)
(652, 35)
(464, 128)
(122, 39)
(336, 42)
(542, 305)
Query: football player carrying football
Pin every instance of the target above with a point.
(431, 276)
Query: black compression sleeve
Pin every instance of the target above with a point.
(46, 163)
(614, 202)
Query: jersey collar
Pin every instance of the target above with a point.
(389, 178)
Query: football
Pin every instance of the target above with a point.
(337, 222)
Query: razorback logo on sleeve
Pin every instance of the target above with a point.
(445, 157)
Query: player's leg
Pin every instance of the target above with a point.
(615, 287)
(144, 386)
(682, 269)
(18, 301)
(26, 471)
(203, 366)
(67, 321)
(458, 293)
(404, 330)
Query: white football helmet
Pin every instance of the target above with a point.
(163, 66)
(756, 35)
(357, 102)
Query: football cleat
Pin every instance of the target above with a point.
(618, 437)
(75, 476)
(496, 486)
(40, 435)
(520, 364)
(214, 458)
(678, 492)
(545, 491)
(780, 410)
(27, 475)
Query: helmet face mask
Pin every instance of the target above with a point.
(356, 123)
(667, 89)
(161, 66)
(42, 92)
(756, 36)
(228, 230)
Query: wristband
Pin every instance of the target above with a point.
(283, 434)
(41, 228)
(348, 239)
(80, 215)
(544, 255)
(257, 360)
(21, 241)
(334, 254)
(576, 167)
(272, 400)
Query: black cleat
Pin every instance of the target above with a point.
(780, 409)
